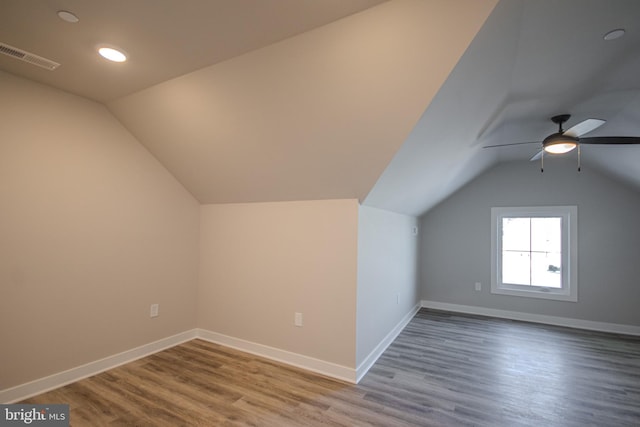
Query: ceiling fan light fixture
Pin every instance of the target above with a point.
(560, 148)
(559, 144)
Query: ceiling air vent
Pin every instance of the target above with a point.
(28, 57)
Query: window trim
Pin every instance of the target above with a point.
(569, 290)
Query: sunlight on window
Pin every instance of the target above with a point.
(534, 252)
(531, 251)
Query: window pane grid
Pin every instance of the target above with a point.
(534, 252)
(531, 251)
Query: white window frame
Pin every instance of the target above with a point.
(569, 289)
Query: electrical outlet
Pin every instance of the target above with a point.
(154, 310)
(478, 286)
(297, 319)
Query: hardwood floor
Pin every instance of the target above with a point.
(443, 370)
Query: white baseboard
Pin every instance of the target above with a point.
(332, 370)
(536, 318)
(368, 362)
(322, 367)
(42, 385)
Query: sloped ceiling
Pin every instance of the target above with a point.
(316, 116)
(532, 60)
(389, 102)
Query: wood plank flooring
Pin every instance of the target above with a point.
(444, 369)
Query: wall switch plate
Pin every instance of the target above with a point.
(154, 310)
(478, 286)
(297, 319)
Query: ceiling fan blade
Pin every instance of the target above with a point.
(584, 127)
(536, 157)
(611, 140)
(510, 144)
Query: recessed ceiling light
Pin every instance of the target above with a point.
(614, 34)
(67, 16)
(112, 54)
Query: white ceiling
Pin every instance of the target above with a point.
(388, 102)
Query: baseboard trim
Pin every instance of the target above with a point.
(332, 370)
(42, 385)
(615, 328)
(368, 362)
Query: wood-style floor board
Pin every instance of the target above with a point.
(444, 369)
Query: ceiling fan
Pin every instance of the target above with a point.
(564, 141)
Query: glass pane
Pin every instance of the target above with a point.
(516, 234)
(546, 269)
(546, 234)
(515, 268)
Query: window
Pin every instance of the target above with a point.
(534, 252)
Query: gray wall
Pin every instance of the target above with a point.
(387, 275)
(455, 240)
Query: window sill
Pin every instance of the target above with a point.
(535, 293)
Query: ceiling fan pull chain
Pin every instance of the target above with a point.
(579, 162)
(542, 162)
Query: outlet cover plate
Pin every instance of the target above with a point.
(297, 319)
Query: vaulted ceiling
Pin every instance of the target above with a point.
(389, 102)
(532, 59)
